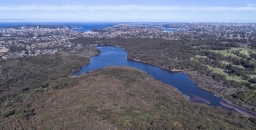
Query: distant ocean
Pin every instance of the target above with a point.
(76, 26)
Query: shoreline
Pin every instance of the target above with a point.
(187, 97)
(238, 109)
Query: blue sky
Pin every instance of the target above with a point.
(128, 10)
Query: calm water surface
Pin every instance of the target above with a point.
(114, 56)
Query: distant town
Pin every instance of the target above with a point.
(25, 41)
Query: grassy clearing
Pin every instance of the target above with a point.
(239, 66)
(225, 52)
(229, 77)
(246, 51)
(227, 63)
(252, 76)
(199, 56)
(237, 52)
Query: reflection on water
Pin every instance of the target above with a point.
(194, 98)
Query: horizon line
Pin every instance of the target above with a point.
(126, 8)
(115, 22)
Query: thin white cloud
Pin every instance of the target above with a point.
(241, 2)
(47, 7)
(250, 4)
(170, 8)
(249, 7)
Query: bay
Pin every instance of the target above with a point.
(114, 56)
(76, 26)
